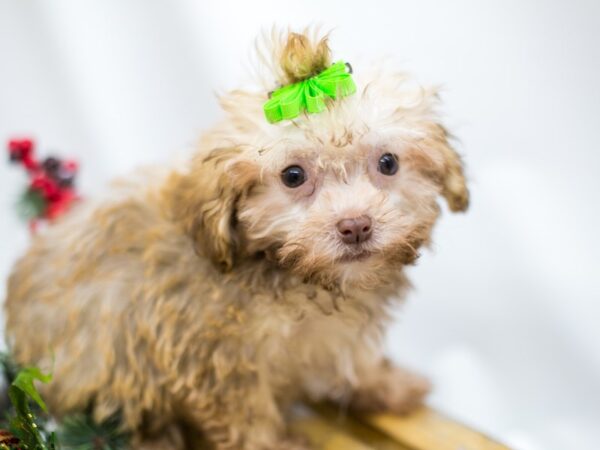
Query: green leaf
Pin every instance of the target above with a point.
(31, 205)
(24, 382)
(23, 424)
(52, 441)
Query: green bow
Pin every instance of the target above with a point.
(309, 95)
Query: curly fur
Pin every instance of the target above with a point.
(200, 303)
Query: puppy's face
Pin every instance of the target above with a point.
(348, 211)
(343, 198)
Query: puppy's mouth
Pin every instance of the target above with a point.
(360, 255)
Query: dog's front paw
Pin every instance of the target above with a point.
(390, 389)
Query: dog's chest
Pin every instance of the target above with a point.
(317, 340)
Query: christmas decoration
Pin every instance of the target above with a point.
(80, 432)
(29, 426)
(51, 191)
(23, 424)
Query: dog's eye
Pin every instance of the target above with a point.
(293, 176)
(388, 164)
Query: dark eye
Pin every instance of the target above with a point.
(388, 164)
(293, 176)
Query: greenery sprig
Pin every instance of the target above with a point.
(28, 424)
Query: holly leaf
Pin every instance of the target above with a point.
(31, 205)
(23, 385)
(23, 423)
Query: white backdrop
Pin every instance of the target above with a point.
(505, 314)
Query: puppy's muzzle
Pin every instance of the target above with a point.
(356, 230)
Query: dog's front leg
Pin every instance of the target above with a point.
(245, 418)
(388, 388)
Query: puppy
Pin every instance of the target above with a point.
(204, 300)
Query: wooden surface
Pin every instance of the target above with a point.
(425, 429)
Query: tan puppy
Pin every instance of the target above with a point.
(207, 299)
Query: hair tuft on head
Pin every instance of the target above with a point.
(286, 57)
(302, 57)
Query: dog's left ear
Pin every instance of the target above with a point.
(450, 169)
(205, 201)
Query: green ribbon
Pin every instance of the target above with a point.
(309, 95)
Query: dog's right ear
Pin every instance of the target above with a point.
(204, 200)
(454, 185)
(446, 168)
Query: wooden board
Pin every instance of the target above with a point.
(425, 429)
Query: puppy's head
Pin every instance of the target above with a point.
(342, 198)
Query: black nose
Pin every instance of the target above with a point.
(356, 230)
